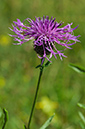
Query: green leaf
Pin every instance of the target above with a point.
(82, 125)
(25, 127)
(5, 117)
(77, 68)
(1, 118)
(48, 63)
(38, 66)
(81, 105)
(47, 122)
(82, 117)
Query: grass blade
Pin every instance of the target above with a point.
(47, 122)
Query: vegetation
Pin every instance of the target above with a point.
(61, 87)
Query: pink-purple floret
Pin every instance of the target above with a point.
(47, 34)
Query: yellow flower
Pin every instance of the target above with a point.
(2, 82)
(5, 40)
(47, 106)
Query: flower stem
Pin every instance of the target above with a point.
(37, 89)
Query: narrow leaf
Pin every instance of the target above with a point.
(82, 117)
(38, 66)
(47, 122)
(48, 63)
(81, 105)
(77, 68)
(1, 118)
(82, 125)
(5, 118)
(25, 127)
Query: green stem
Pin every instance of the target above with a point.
(37, 89)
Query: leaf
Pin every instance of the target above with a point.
(47, 122)
(81, 105)
(5, 117)
(48, 63)
(25, 127)
(82, 117)
(38, 66)
(82, 125)
(1, 118)
(77, 68)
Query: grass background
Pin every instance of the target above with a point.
(61, 87)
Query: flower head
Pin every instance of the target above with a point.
(48, 35)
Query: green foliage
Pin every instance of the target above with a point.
(81, 105)
(82, 117)
(77, 68)
(3, 118)
(82, 123)
(25, 127)
(48, 63)
(18, 76)
(47, 122)
(44, 65)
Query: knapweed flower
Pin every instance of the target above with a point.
(48, 36)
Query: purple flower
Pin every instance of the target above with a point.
(47, 34)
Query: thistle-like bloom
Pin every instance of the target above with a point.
(47, 34)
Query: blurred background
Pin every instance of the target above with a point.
(61, 87)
